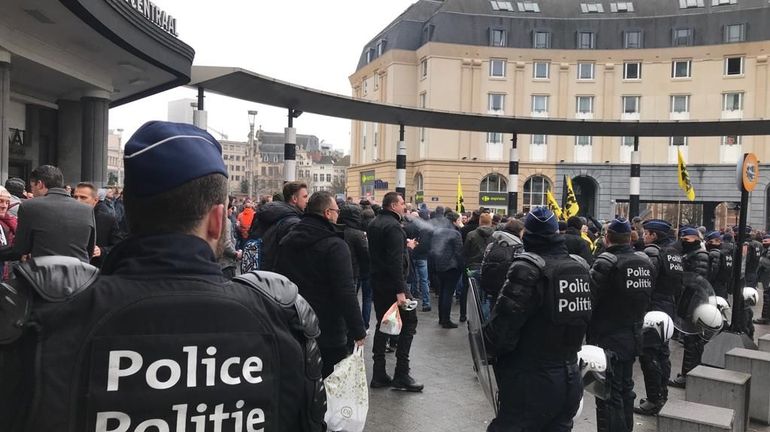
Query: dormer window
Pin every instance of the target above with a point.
(687, 4)
(591, 7)
(622, 7)
(723, 2)
(528, 7)
(502, 5)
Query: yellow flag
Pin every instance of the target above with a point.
(591, 244)
(459, 207)
(571, 208)
(553, 205)
(684, 178)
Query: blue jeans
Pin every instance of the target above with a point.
(366, 300)
(421, 286)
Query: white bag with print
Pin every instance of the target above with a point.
(347, 395)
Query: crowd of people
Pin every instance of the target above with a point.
(293, 277)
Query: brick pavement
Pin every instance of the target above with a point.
(452, 399)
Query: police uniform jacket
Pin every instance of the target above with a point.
(162, 334)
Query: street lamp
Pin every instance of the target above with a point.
(250, 153)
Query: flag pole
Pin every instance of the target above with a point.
(678, 213)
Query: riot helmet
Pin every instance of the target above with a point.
(660, 323)
(593, 368)
(750, 296)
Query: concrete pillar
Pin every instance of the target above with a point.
(69, 140)
(5, 101)
(635, 182)
(290, 149)
(401, 164)
(93, 154)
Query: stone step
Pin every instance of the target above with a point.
(682, 416)
(756, 363)
(764, 343)
(721, 388)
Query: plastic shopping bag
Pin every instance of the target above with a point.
(347, 395)
(391, 321)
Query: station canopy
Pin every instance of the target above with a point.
(250, 86)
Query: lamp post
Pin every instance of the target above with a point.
(250, 153)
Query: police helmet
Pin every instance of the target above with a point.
(723, 306)
(593, 368)
(750, 296)
(661, 323)
(708, 317)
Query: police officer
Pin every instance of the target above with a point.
(695, 260)
(720, 263)
(753, 254)
(161, 339)
(667, 261)
(622, 282)
(764, 279)
(536, 328)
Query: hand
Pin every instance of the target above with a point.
(360, 342)
(97, 252)
(412, 243)
(401, 299)
(238, 254)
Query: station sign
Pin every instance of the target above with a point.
(380, 184)
(155, 15)
(747, 174)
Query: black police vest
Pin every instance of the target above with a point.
(670, 268)
(632, 282)
(754, 253)
(557, 328)
(697, 262)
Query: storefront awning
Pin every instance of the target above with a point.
(246, 85)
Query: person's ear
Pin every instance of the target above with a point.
(215, 221)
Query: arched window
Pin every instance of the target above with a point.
(535, 189)
(419, 189)
(493, 183)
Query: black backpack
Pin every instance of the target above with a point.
(498, 257)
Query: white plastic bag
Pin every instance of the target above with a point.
(347, 395)
(391, 321)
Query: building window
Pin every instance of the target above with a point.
(419, 183)
(583, 152)
(734, 66)
(626, 147)
(678, 141)
(734, 33)
(730, 151)
(723, 2)
(632, 70)
(686, 4)
(585, 40)
(622, 7)
(423, 99)
(535, 189)
(494, 137)
(528, 7)
(583, 140)
(493, 183)
(494, 146)
(380, 48)
(591, 7)
(497, 68)
(631, 104)
(680, 103)
(731, 140)
(315, 177)
(537, 148)
(427, 33)
(585, 104)
(732, 101)
(328, 178)
(539, 104)
(585, 71)
(541, 40)
(540, 70)
(681, 68)
(496, 102)
(369, 55)
(632, 39)
(502, 5)
(498, 38)
(681, 37)
(366, 86)
(423, 68)
(376, 78)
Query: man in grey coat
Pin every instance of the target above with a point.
(52, 223)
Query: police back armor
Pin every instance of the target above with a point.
(624, 283)
(668, 271)
(544, 308)
(125, 354)
(697, 262)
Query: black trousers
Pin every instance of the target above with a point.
(448, 283)
(655, 359)
(693, 351)
(331, 356)
(408, 329)
(616, 414)
(545, 398)
(764, 277)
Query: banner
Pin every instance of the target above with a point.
(571, 207)
(459, 207)
(552, 204)
(684, 178)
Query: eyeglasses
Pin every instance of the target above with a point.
(334, 210)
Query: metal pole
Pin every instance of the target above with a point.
(635, 183)
(513, 176)
(250, 157)
(401, 163)
(200, 118)
(737, 321)
(290, 149)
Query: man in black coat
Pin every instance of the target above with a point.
(314, 256)
(52, 223)
(275, 219)
(576, 245)
(355, 236)
(390, 266)
(108, 233)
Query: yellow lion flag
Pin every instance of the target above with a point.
(571, 207)
(553, 205)
(684, 178)
(459, 205)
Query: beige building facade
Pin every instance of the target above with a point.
(707, 65)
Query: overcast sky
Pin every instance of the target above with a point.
(314, 43)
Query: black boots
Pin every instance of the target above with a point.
(648, 407)
(406, 383)
(380, 379)
(678, 382)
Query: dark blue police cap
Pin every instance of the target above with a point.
(620, 226)
(713, 235)
(540, 220)
(161, 156)
(688, 230)
(657, 225)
